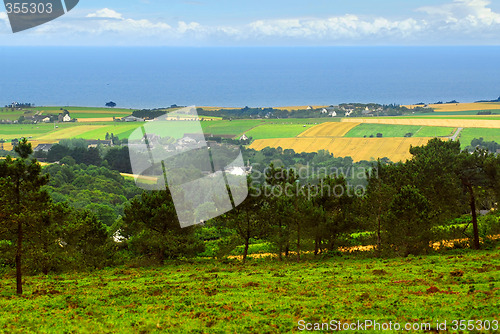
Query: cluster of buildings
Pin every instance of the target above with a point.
(38, 117)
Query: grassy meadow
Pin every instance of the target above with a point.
(467, 135)
(208, 295)
(268, 131)
(390, 130)
(263, 296)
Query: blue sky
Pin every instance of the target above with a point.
(270, 22)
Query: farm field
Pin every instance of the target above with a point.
(84, 110)
(263, 296)
(467, 135)
(267, 131)
(453, 107)
(46, 132)
(11, 131)
(454, 123)
(330, 129)
(435, 131)
(234, 128)
(396, 149)
(71, 132)
(390, 130)
(289, 127)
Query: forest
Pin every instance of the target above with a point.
(77, 216)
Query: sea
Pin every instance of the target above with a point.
(156, 77)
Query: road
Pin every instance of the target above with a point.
(457, 133)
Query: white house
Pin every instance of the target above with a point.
(66, 118)
(330, 111)
(46, 120)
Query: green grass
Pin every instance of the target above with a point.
(239, 127)
(435, 131)
(98, 115)
(119, 129)
(467, 135)
(11, 131)
(234, 128)
(82, 109)
(75, 112)
(6, 114)
(278, 130)
(390, 130)
(261, 297)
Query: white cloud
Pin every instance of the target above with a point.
(4, 23)
(463, 12)
(106, 13)
(457, 22)
(335, 28)
(105, 21)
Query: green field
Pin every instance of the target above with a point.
(53, 110)
(236, 127)
(258, 129)
(87, 112)
(467, 135)
(11, 131)
(119, 129)
(263, 296)
(435, 131)
(6, 114)
(389, 130)
(267, 131)
(285, 127)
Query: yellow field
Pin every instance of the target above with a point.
(71, 132)
(452, 123)
(34, 143)
(396, 149)
(329, 129)
(462, 106)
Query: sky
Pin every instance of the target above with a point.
(266, 23)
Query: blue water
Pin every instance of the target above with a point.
(158, 77)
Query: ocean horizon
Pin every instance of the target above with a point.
(154, 77)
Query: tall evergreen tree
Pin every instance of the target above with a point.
(21, 199)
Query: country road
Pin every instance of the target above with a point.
(457, 133)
